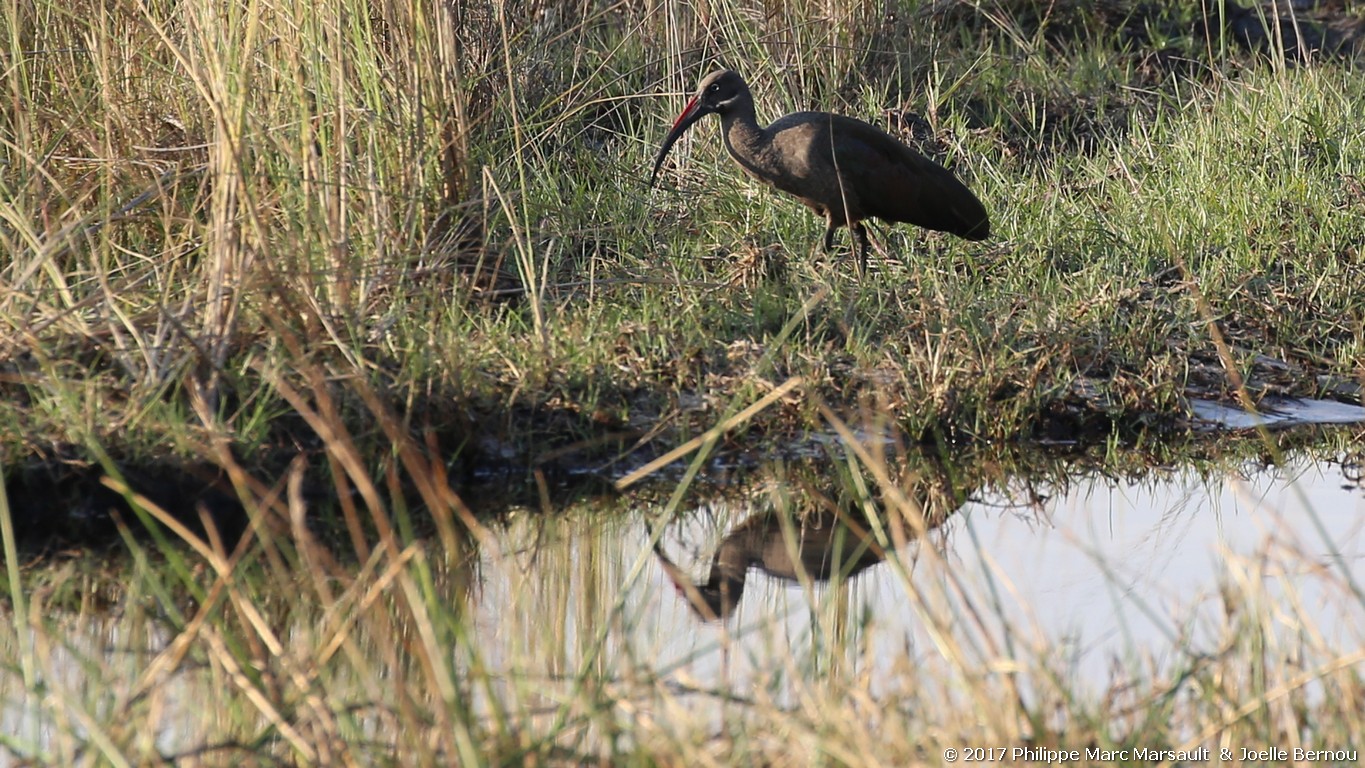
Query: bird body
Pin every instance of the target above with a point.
(821, 549)
(843, 169)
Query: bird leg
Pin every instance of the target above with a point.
(829, 234)
(860, 234)
(859, 237)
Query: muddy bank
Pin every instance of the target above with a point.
(61, 503)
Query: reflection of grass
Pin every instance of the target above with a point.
(335, 249)
(551, 649)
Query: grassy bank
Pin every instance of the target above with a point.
(233, 224)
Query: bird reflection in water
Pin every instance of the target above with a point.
(822, 545)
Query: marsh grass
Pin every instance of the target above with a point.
(357, 252)
(446, 203)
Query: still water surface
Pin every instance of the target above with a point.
(1116, 574)
(1093, 579)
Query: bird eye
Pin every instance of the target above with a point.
(713, 88)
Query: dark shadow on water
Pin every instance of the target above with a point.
(56, 505)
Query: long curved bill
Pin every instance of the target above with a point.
(690, 114)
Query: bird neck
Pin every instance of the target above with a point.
(732, 560)
(744, 137)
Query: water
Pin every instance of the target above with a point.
(1065, 575)
(1147, 567)
(1275, 412)
(1089, 575)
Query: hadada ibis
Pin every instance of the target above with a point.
(844, 169)
(823, 548)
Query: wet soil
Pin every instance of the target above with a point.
(55, 504)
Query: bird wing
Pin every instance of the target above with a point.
(896, 183)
